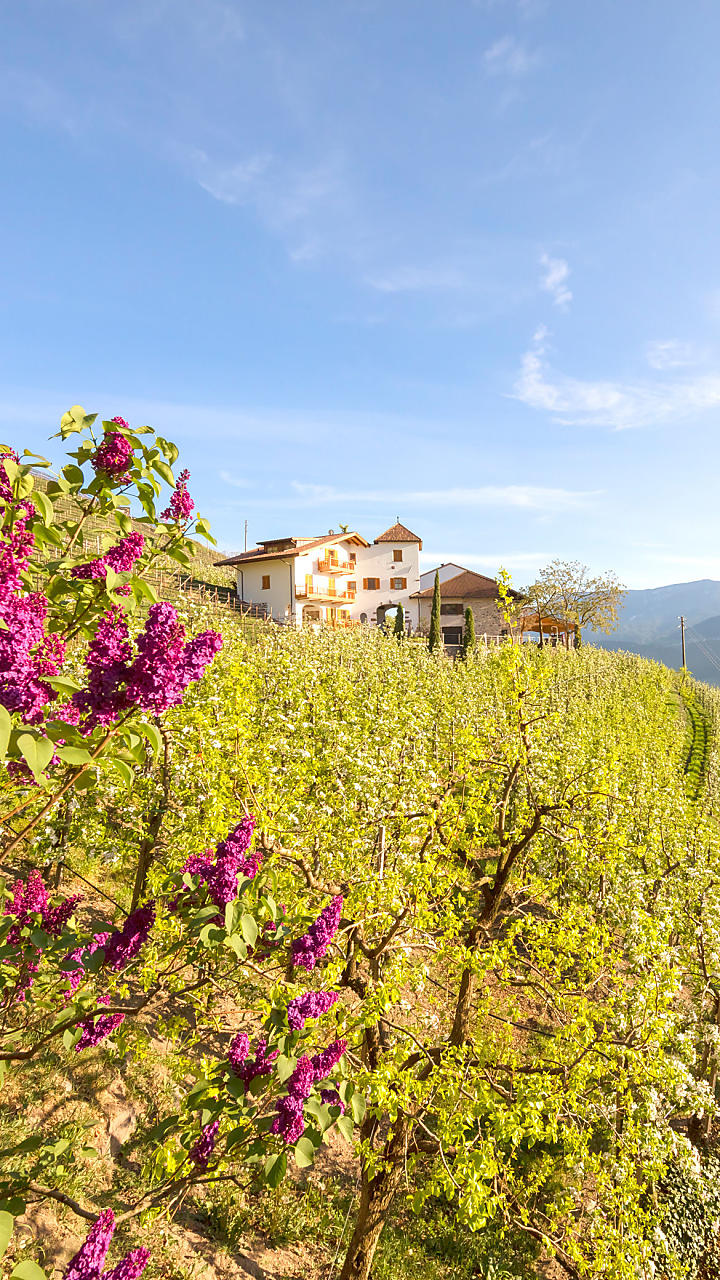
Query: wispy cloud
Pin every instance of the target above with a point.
(236, 482)
(507, 57)
(529, 497)
(670, 354)
(601, 403)
(418, 279)
(301, 202)
(554, 279)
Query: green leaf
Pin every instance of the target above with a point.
(284, 1067)
(6, 1229)
(249, 929)
(5, 727)
(37, 752)
(346, 1127)
(275, 1169)
(74, 755)
(236, 944)
(42, 503)
(123, 769)
(145, 589)
(154, 736)
(163, 470)
(28, 1270)
(304, 1153)
(73, 474)
(233, 915)
(358, 1106)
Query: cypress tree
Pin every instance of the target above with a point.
(399, 628)
(435, 641)
(469, 632)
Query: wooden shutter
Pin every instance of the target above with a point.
(403, 584)
(365, 584)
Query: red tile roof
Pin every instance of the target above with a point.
(290, 547)
(464, 586)
(399, 533)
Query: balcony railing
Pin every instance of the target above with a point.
(329, 565)
(323, 593)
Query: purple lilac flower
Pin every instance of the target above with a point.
(181, 504)
(290, 1119)
(114, 454)
(125, 944)
(332, 1098)
(108, 654)
(26, 652)
(245, 1067)
(88, 1261)
(202, 1150)
(219, 872)
(306, 951)
(97, 1028)
(80, 954)
(129, 1267)
(119, 558)
(30, 898)
(326, 1061)
(165, 665)
(310, 1005)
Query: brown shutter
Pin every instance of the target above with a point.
(365, 584)
(403, 584)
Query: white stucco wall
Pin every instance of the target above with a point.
(377, 562)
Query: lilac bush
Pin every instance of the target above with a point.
(308, 950)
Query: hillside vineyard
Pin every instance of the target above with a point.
(410, 961)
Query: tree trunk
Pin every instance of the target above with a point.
(376, 1197)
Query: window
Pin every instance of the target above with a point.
(398, 584)
(352, 586)
(371, 584)
(266, 582)
(451, 608)
(397, 556)
(353, 557)
(452, 635)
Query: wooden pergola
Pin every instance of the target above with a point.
(554, 630)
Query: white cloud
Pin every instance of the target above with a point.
(236, 482)
(670, 354)
(529, 497)
(619, 405)
(506, 57)
(302, 203)
(554, 279)
(418, 279)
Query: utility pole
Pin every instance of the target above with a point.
(246, 535)
(682, 639)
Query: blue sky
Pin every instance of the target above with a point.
(456, 262)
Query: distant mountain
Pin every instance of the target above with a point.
(649, 625)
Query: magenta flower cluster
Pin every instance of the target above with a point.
(114, 455)
(290, 1119)
(27, 654)
(245, 1067)
(202, 1150)
(219, 871)
(75, 975)
(313, 945)
(88, 1261)
(155, 679)
(119, 558)
(124, 944)
(181, 504)
(310, 1005)
(31, 898)
(97, 1027)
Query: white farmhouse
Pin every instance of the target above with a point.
(341, 578)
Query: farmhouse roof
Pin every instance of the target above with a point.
(399, 533)
(285, 548)
(464, 586)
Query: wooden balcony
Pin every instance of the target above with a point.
(331, 565)
(324, 594)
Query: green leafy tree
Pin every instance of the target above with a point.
(399, 628)
(469, 632)
(435, 640)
